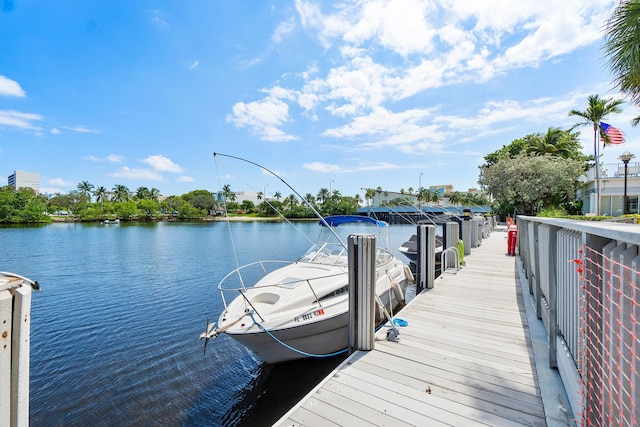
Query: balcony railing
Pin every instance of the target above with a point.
(585, 283)
(614, 170)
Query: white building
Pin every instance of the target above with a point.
(22, 179)
(611, 177)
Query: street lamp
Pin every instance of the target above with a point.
(625, 157)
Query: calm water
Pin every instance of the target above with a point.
(114, 335)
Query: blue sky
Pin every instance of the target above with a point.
(391, 94)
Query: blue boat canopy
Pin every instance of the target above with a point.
(337, 220)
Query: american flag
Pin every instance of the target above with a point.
(611, 135)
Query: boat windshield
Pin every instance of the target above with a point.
(326, 253)
(336, 254)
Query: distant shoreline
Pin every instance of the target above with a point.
(67, 219)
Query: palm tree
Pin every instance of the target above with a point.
(323, 195)
(154, 193)
(100, 194)
(121, 193)
(369, 195)
(597, 109)
(293, 201)
(456, 198)
(85, 189)
(556, 142)
(277, 195)
(423, 194)
(142, 193)
(310, 198)
(226, 191)
(260, 195)
(622, 38)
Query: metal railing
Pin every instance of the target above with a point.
(585, 283)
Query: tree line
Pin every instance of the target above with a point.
(90, 203)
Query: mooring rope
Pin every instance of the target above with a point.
(292, 348)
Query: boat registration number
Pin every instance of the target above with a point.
(308, 316)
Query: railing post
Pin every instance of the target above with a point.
(362, 277)
(552, 298)
(536, 272)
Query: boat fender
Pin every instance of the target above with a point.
(397, 290)
(408, 274)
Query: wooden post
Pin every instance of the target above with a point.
(6, 303)
(15, 327)
(362, 278)
(20, 352)
(426, 257)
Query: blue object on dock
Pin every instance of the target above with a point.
(400, 322)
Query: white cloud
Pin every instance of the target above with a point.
(55, 131)
(136, 174)
(362, 167)
(185, 178)
(321, 167)
(283, 30)
(156, 16)
(159, 162)
(10, 87)
(191, 64)
(112, 158)
(442, 42)
(263, 118)
(80, 129)
(398, 26)
(19, 120)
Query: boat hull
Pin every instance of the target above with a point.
(321, 338)
(324, 337)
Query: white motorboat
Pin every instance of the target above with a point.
(410, 247)
(287, 311)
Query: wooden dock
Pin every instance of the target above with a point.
(466, 358)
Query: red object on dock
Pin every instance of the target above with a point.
(512, 237)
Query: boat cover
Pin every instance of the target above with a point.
(337, 220)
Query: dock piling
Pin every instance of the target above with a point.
(362, 271)
(426, 257)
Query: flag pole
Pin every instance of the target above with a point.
(596, 147)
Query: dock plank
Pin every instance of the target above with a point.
(465, 358)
